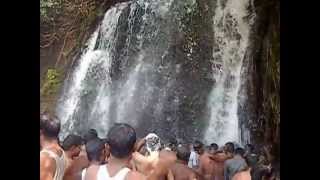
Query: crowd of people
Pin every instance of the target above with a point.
(121, 156)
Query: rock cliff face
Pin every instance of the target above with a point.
(63, 38)
(65, 26)
(263, 83)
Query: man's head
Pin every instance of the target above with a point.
(95, 150)
(198, 147)
(214, 147)
(208, 149)
(72, 144)
(239, 151)
(91, 134)
(49, 127)
(229, 147)
(183, 152)
(121, 140)
(249, 148)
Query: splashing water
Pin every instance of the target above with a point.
(231, 40)
(136, 69)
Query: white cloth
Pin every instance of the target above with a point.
(193, 160)
(103, 174)
(152, 142)
(61, 163)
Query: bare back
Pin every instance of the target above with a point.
(183, 172)
(52, 163)
(207, 166)
(219, 160)
(75, 167)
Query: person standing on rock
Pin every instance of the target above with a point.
(52, 157)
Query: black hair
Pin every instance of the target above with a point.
(197, 145)
(94, 148)
(121, 139)
(105, 140)
(229, 147)
(50, 126)
(71, 140)
(207, 148)
(91, 134)
(183, 152)
(214, 146)
(250, 147)
(239, 151)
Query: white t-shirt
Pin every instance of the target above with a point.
(193, 160)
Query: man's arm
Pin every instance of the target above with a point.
(225, 171)
(220, 157)
(167, 159)
(134, 175)
(47, 167)
(139, 144)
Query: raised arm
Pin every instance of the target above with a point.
(139, 144)
(220, 157)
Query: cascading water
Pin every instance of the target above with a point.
(231, 40)
(149, 64)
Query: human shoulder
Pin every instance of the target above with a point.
(46, 160)
(193, 176)
(134, 175)
(47, 166)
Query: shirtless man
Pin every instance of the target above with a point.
(146, 162)
(207, 166)
(180, 169)
(52, 157)
(72, 147)
(96, 154)
(219, 158)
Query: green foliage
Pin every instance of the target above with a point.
(49, 8)
(52, 83)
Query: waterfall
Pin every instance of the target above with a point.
(91, 58)
(231, 33)
(150, 65)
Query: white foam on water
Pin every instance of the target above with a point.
(223, 100)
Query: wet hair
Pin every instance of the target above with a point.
(197, 145)
(183, 152)
(239, 151)
(91, 134)
(207, 148)
(50, 125)
(121, 139)
(71, 140)
(105, 141)
(229, 147)
(94, 148)
(214, 146)
(250, 147)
